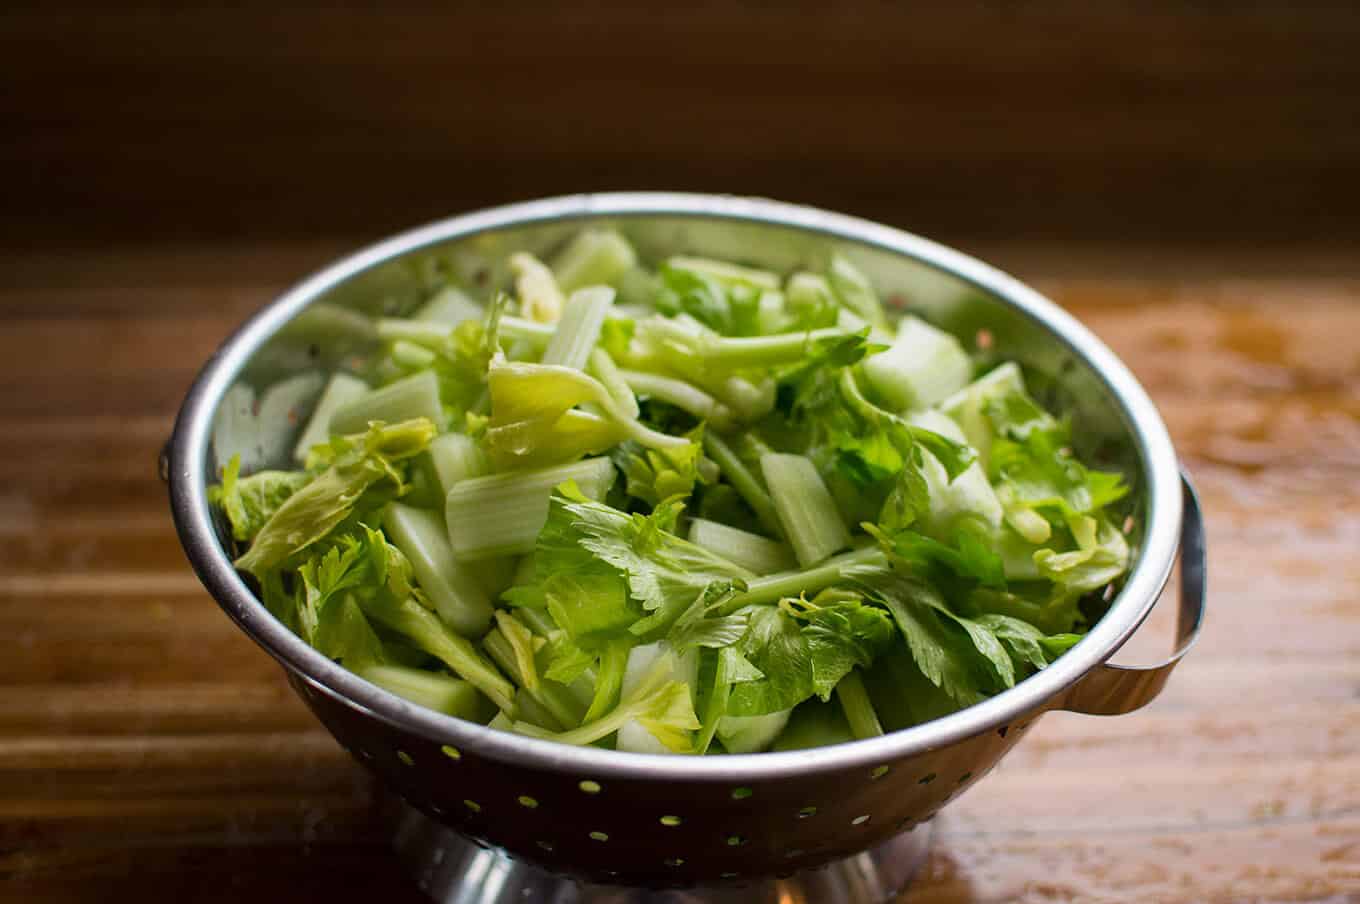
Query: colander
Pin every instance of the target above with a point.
(485, 816)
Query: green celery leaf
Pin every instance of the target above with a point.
(251, 501)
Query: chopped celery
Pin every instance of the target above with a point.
(457, 596)
(451, 696)
(501, 514)
(849, 567)
(854, 291)
(859, 710)
(553, 697)
(680, 394)
(578, 329)
(968, 495)
(814, 724)
(751, 551)
(595, 257)
(723, 272)
(409, 356)
(806, 510)
(410, 397)
(923, 366)
(540, 298)
(751, 734)
(450, 307)
(341, 390)
(455, 457)
(428, 334)
(747, 485)
(602, 367)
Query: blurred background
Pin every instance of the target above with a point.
(1201, 123)
(1183, 176)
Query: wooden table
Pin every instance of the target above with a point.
(148, 750)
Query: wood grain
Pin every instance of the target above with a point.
(147, 748)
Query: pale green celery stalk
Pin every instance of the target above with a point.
(771, 316)
(532, 712)
(808, 290)
(540, 297)
(751, 551)
(430, 334)
(578, 329)
(838, 569)
(457, 596)
(609, 679)
(518, 328)
(723, 272)
(341, 390)
(428, 632)
(502, 514)
(329, 325)
(811, 520)
(751, 401)
(924, 365)
(407, 398)
(450, 307)
(602, 367)
(594, 257)
(410, 356)
(682, 395)
(859, 710)
(502, 722)
(743, 481)
(566, 710)
(536, 620)
(854, 291)
(634, 704)
(683, 342)
(451, 696)
(455, 457)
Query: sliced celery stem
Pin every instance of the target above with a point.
(858, 709)
(429, 334)
(680, 394)
(410, 356)
(753, 552)
(578, 329)
(410, 397)
(429, 633)
(341, 390)
(552, 696)
(833, 571)
(539, 334)
(743, 481)
(609, 680)
(455, 457)
(451, 696)
(806, 509)
(594, 257)
(458, 598)
(602, 367)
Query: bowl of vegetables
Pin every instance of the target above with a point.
(651, 540)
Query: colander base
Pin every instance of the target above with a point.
(454, 870)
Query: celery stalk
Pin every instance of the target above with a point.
(410, 397)
(602, 367)
(451, 696)
(450, 307)
(457, 596)
(566, 710)
(680, 394)
(578, 329)
(838, 569)
(455, 457)
(341, 390)
(751, 551)
(501, 514)
(746, 484)
(806, 509)
(859, 711)
(723, 272)
(594, 257)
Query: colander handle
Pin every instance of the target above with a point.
(1112, 690)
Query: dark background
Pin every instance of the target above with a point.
(1197, 124)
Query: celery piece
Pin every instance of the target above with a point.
(556, 699)
(428, 632)
(578, 329)
(751, 551)
(450, 307)
(923, 366)
(602, 367)
(455, 457)
(968, 406)
(771, 315)
(747, 485)
(723, 272)
(458, 598)
(451, 696)
(501, 514)
(427, 334)
(410, 397)
(814, 724)
(517, 329)
(808, 291)
(341, 390)
(854, 291)
(809, 515)
(534, 713)
(682, 395)
(850, 566)
(751, 734)
(594, 257)
(859, 710)
(648, 663)
(968, 494)
(409, 356)
(540, 298)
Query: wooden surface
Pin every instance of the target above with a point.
(148, 750)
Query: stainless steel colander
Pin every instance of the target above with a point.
(493, 817)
